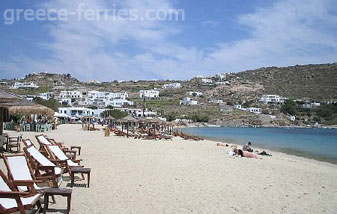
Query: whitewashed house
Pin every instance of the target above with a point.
(238, 106)
(222, 83)
(221, 76)
(141, 113)
(70, 95)
(103, 99)
(311, 105)
(118, 103)
(195, 93)
(80, 112)
(149, 94)
(206, 81)
(254, 110)
(94, 82)
(215, 101)
(272, 99)
(188, 102)
(18, 85)
(172, 86)
(46, 96)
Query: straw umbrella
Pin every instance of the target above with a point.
(13, 104)
(128, 119)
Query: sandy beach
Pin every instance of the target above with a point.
(178, 176)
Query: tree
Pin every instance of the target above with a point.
(289, 107)
(170, 117)
(51, 103)
(117, 114)
(93, 107)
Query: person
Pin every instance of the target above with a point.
(245, 154)
(247, 147)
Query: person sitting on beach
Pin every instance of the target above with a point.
(245, 154)
(247, 147)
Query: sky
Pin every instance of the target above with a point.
(215, 36)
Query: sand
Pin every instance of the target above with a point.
(178, 176)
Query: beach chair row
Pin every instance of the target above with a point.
(22, 188)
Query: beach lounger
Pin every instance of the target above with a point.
(40, 163)
(45, 141)
(59, 156)
(19, 169)
(11, 200)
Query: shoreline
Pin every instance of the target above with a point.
(260, 149)
(206, 125)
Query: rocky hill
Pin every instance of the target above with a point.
(318, 82)
(48, 79)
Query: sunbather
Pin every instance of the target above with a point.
(245, 154)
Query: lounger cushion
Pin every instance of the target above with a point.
(72, 163)
(20, 171)
(29, 143)
(9, 203)
(61, 156)
(39, 157)
(43, 140)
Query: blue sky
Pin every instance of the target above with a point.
(217, 36)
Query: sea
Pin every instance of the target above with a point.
(314, 143)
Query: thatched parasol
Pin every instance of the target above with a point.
(17, 105)
(110, 118)
(29, 109)
(128, 119)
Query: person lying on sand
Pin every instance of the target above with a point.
(245, 154)
(222, 144)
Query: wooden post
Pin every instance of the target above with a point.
(1, 120)
(127, 129)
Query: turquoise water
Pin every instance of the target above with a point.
(319, 144)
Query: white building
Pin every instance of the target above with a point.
(221, 76)
(104, 99)
(188, 102)
(119, 95)
(118, 103)
(70, 95)
(217, 101)
(46, 96)
(222, 83)
(94, 82)
(172, 86)
(206, 81)
(140, 113)
(311, 105)
(237, 106)
(18, 85)
(254, 110)
(276, 99)
(195, 93)
(149, 93)
(80, 112)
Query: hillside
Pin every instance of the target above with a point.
(48, 79)
(318, 82)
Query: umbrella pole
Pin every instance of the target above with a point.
(1, 120)
(127, 130)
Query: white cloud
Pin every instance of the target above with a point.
(210, 23)
(286, 33)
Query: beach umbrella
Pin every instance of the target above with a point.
(110, 118)
(128, 119)
(13, 104)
